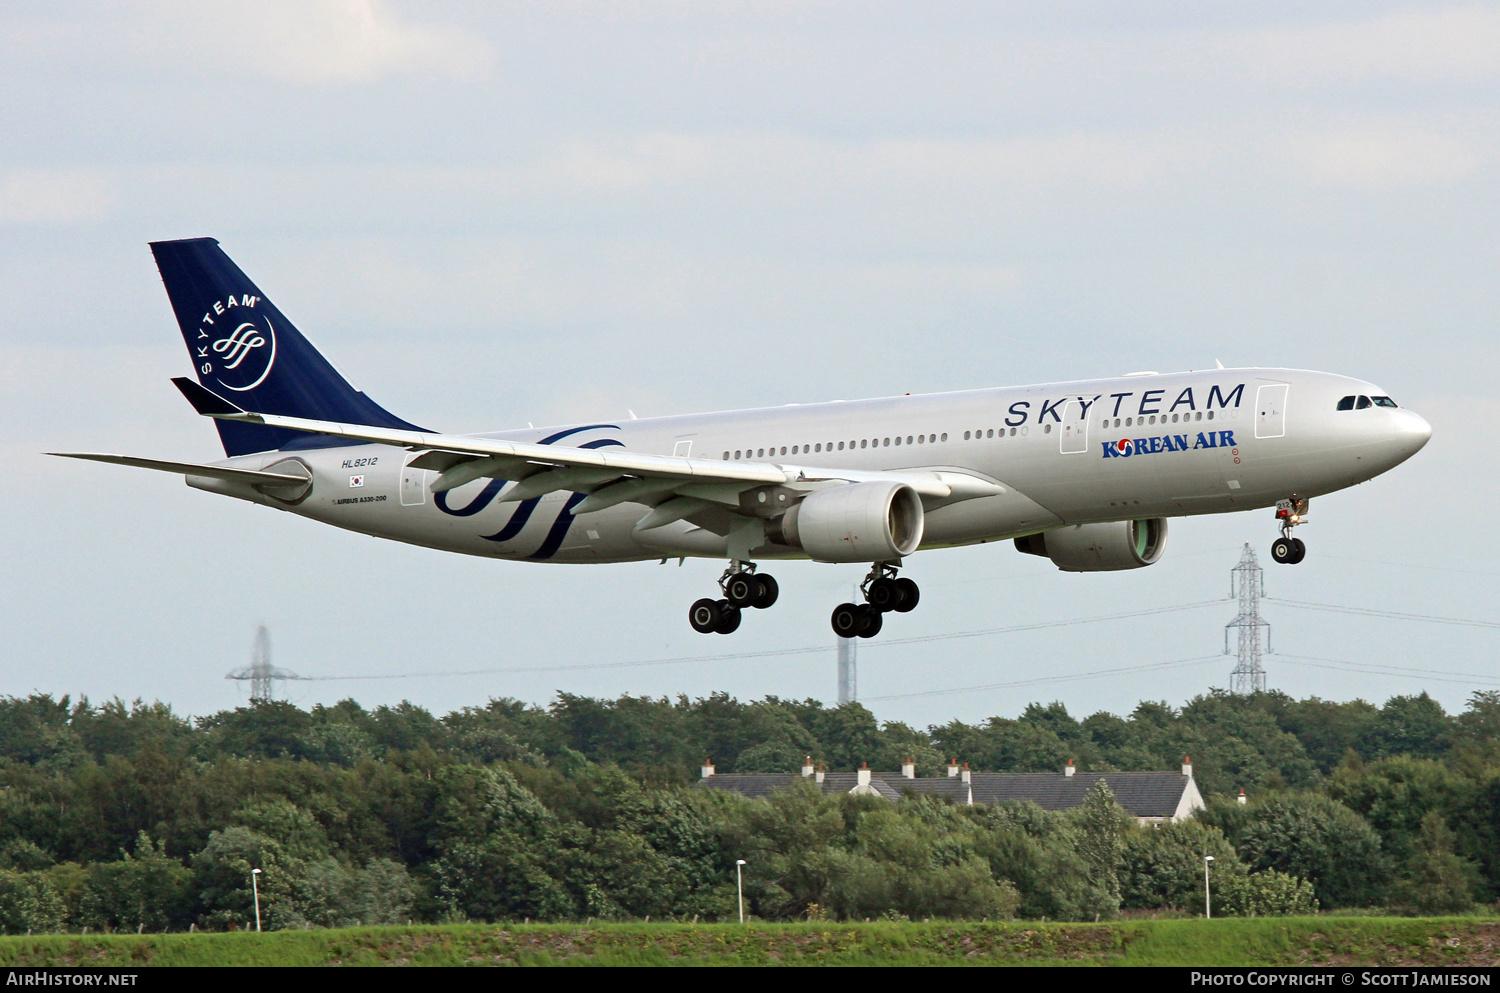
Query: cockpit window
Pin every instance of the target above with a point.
(1362, 403)
(1383, 401)
(1346, 403)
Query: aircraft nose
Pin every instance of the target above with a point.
(1412, 432)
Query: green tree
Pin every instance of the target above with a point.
(1101, 823)
(1263, 894)
(1311, 837)
(29, 904)
(1437, 881)
(1163, 866)
(1408, 725)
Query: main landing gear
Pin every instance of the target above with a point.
(883, 592)
(742, 588)
(1289, 513)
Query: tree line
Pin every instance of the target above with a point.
(130, 817)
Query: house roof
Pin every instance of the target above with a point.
(1143, 794)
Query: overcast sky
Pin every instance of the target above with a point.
(487, 214)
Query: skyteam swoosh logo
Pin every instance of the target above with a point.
(246, 355)
(522, 515)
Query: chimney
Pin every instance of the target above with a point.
(908, 769)
(864, 774)
(1187, 766)
(1241, 798)
(818, 776)
(953, 768)
(966, 774)
(807, 767)
(708, 768)
(1069, 770)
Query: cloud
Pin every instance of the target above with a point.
(54, 196)
(1455, 43)
(304, 42)
(338, 41)
(1383, 155)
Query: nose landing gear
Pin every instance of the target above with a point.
(883, 592)
(743, 588)
(1289, 513)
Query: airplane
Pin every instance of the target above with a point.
(1084, 473)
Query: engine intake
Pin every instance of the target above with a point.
(861, 522)
(1105, 547)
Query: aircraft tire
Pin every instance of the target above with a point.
(884, 594)
(846, 620)
(729, 618)
(769, 591)
(871, 622)
(1299, 551)
(1282, 550)
(910, 594)
(703, 615)
(742, 589)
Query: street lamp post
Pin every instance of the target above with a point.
(739, 878)
(1208, 910)
(255, 889)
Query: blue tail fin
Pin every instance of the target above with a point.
(244, 349)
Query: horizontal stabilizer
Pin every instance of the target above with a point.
(193, 469)
(204, 401)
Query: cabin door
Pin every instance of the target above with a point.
(1075, 428)
(1270, 410)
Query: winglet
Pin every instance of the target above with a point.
(205, 401)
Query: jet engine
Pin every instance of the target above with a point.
(860, 522)
(1100, 547)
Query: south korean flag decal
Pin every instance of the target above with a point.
(356, 481)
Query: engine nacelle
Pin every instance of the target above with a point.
(861, 522)
(1100, 547)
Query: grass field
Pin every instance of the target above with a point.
(1232, 941)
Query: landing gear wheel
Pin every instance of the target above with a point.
(870, 621)
(846, 620)
(884, 594)
(909, 595)
(742, 589)
(1299, 551)
(703, 615)
(769, 591)
(729, 618)
(1283, 551)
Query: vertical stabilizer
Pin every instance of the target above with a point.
(244, 349)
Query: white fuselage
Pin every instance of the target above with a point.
(1104, 450)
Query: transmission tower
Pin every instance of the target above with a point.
(1247, 582)
(260, 672)
(847, 675)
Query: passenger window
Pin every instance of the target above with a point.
(1210, 415)
(1129, 421)
(921, 438)
(966, 436)
(1047, 429)
(1346, 403)
(908, 439)
(818, 447)
(944, 437)
(783, 449)
(736, 453)
(1384, 401)
(841, 446)
(726, 456)
(887, 443)
(863, 443)
(1362, 403)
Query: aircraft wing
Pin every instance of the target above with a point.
(675, 487)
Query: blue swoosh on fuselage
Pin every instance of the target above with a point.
(522, 514)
